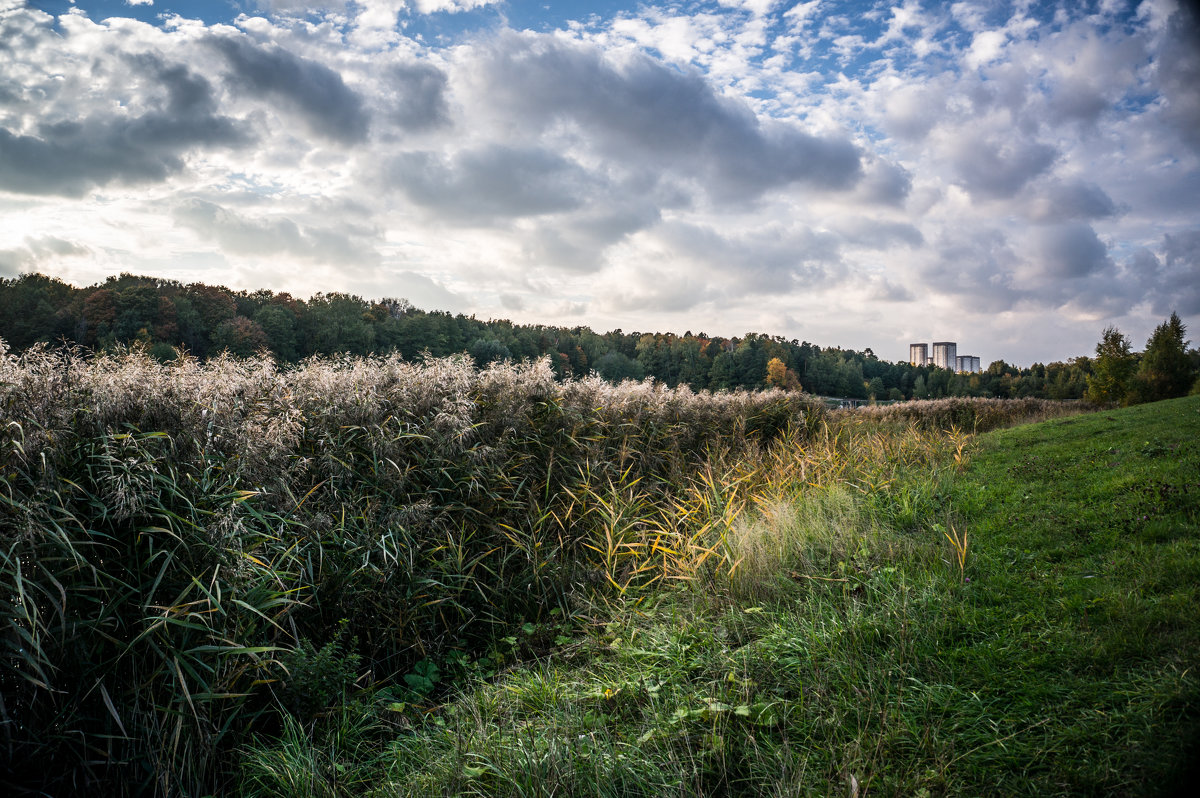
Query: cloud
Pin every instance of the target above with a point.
(314, 92)
(1070, 251)
(678, 266)
(1178, 76)
(450, 6)
(426, 293)
(369, 8)
(977, 264)
(1062, 201)
(276, 236)
(580, 242)
(995, 167)
(71, 155)
(872, 233)
(885, 290)
(634, 110)
(417, 96)
(884, 184)
(911, 110)
(1179, 286)
(491, 182)
(38, 252)
(986, 47)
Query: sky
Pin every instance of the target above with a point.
(1013, 176)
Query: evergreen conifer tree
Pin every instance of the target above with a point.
(1165, 370)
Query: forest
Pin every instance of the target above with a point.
(168, 317)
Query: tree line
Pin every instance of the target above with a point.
(168, 317)
(1165, 369)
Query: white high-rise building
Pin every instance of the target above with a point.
(945, 354)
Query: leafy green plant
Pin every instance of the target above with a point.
(317, 679)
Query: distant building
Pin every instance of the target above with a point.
(945, 354)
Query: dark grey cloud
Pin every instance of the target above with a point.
(418, 100)
(1179, 283)
(492, 182)
(641, 111)
(884, 183)
(1063, 201)
(314, 92)
(68, 158)
(1179, 75)
(1071, 251)
(1078, 101)
(275, 236)
(998, 169)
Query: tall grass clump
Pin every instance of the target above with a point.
(171, 535)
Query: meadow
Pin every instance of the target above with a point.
(372, 576)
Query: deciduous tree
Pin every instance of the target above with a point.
(1113, 368)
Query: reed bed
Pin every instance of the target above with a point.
(172, 534)
(973, 414)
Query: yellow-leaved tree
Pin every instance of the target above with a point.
(780, 376)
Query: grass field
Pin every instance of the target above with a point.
(1022, 621)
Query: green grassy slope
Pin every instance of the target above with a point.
(1081, 626)
(1060, 660)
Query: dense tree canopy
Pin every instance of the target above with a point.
(168, 317)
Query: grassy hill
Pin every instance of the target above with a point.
(1018, 618)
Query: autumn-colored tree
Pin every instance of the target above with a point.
(239, 336)
(99, 308)
(780, 376)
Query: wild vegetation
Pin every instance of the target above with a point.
(369, 574)
(170, 530)
(168, 317)
(1012, 615)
